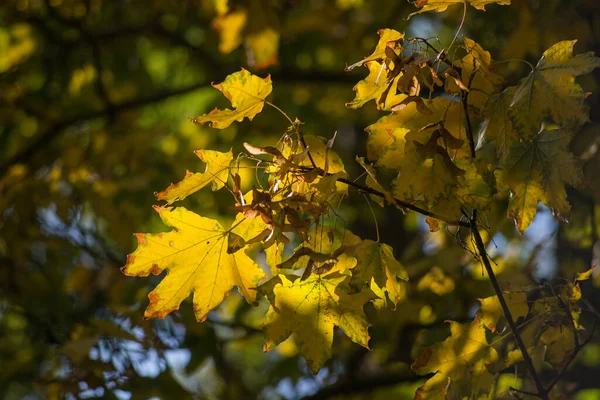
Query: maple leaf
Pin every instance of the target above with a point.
(477, 73)
(560, 344)
(374, 86)
(385, 36)
(497, 125)
(536, 171)
(377, 269)
(465, 354)
(216, 173)
(263, 48)
(310, 309)
(247, 94)
(442, 5)
(229, 26)
(550, 91)
(387, 136)
(195, 255)
(490, 311)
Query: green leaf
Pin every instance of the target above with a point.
(536, 171)
(550, 92)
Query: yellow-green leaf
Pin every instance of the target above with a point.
(537, 171)
(462, 356)
(490, 311)
(560, 344)
(437, 282)
(310, 309)
(216, 173)
(550, 92)
(247, 94)
(497, 126)
(377, 269)
(195, 255)
(442, 5)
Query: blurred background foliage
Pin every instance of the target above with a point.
(95, 97)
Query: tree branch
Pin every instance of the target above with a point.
(541, 391)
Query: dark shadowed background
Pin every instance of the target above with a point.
(95, 97)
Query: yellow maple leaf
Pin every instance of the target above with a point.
(310, 309)
(263, 48)
(378, 270)
(195, 255)
(477, 73)
(216, 173)
(385, 36)
(374, 86)
(247, 94)
(465, 354)
(442, 5)
(536, 171)
(490, 311)
(229, 26)
(550, 92)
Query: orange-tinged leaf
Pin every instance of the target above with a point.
(247, 94)
(263, 48)
(550, 92)
(442, 5)
(310, 309)
(195, 256)
(537, 171)
(216, 173)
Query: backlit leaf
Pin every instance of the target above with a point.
(442, 5)
(461, 357)
(378, 270)
(538, 171)
(490, 311)
(310, 309)
(247, 94)
(216, 173)
(195, 256)
(550, 92)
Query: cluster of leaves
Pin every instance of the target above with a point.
(443, 169)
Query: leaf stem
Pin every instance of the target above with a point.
(297, 129)
(541, 391)
(398, 202)
(462, 22)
